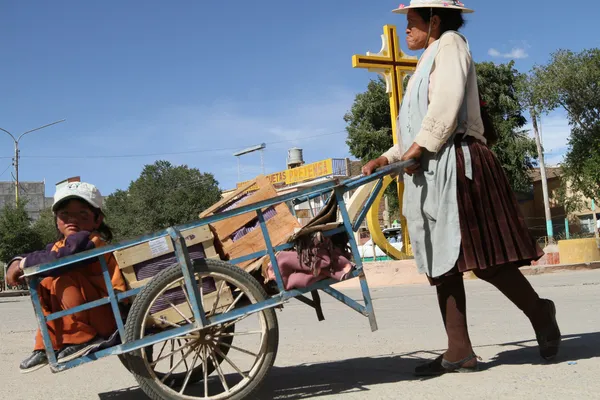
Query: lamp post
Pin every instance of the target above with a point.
(16, 157)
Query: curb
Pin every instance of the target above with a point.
(549, 269)
(14, 293)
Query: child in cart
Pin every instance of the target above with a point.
(80, 224)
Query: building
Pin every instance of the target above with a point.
(532, 206)
(34, 192)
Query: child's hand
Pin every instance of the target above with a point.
(14, 273)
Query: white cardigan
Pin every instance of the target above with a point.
(450, 75)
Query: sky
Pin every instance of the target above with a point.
(192, 82)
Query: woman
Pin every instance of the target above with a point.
(461, 213)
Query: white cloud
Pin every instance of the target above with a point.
(516, 53)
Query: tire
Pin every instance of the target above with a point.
(139, 364)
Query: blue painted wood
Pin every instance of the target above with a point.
(80, 308)
(127, 347)
(270, 251)
(365, 210)
(357, 260)
(188, 272)
(320, 188)
(114, 303)
(41, 320)
(129, 293)
(189, 276)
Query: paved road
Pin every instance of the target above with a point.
(341, 358)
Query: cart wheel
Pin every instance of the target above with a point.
(205, 364)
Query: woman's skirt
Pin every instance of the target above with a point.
(492, 228)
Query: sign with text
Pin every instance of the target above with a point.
(297, 175)
(309, 171)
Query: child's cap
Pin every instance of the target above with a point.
(73, 189)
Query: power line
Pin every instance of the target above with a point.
(174, 153)
(7, 168)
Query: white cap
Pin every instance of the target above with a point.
(78, 190)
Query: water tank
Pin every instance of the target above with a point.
(295, 157)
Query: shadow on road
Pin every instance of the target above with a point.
(357, 374)
(574, 347)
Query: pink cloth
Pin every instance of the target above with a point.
(298, 276)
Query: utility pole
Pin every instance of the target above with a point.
(538, 142)
(16, 157)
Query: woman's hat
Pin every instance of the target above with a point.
(77, 190)
(453, 4)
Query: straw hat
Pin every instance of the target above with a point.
(454, 4)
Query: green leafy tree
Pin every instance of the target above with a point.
(499, 85)
(572, 81)
(164, 195)
(16, 233)
(45, 227)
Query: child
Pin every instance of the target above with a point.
(80, 224)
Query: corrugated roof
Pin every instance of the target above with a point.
(551, 173)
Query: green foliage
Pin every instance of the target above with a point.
(16, 233)
(499, 85)
(369, 123)
(572, 81)
(164, 195)
(45, 227)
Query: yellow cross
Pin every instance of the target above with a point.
(394, 65)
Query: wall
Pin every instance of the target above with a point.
(34, 192)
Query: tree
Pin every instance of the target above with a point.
(370, 131)
(45, 227)
(369, 123)
(164, 195)
(16, 233)
(572, 81)
(499, 86)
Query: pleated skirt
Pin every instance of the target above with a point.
(492, 228)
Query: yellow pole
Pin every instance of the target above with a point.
(394, 66)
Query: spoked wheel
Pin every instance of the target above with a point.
(226, 361)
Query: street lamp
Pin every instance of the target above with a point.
(16, 158)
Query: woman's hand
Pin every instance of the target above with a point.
(14, 273)
(413, 153)
(373, 165)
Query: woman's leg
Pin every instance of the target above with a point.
(541, 312)
(453, 306)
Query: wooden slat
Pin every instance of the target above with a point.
(280, 228)
(226, 200)
(226, 227)
(143, 252)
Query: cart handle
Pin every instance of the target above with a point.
(396, 167)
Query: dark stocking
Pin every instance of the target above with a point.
(513, 284)
(453, 305)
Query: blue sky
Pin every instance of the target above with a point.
(206, 78)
